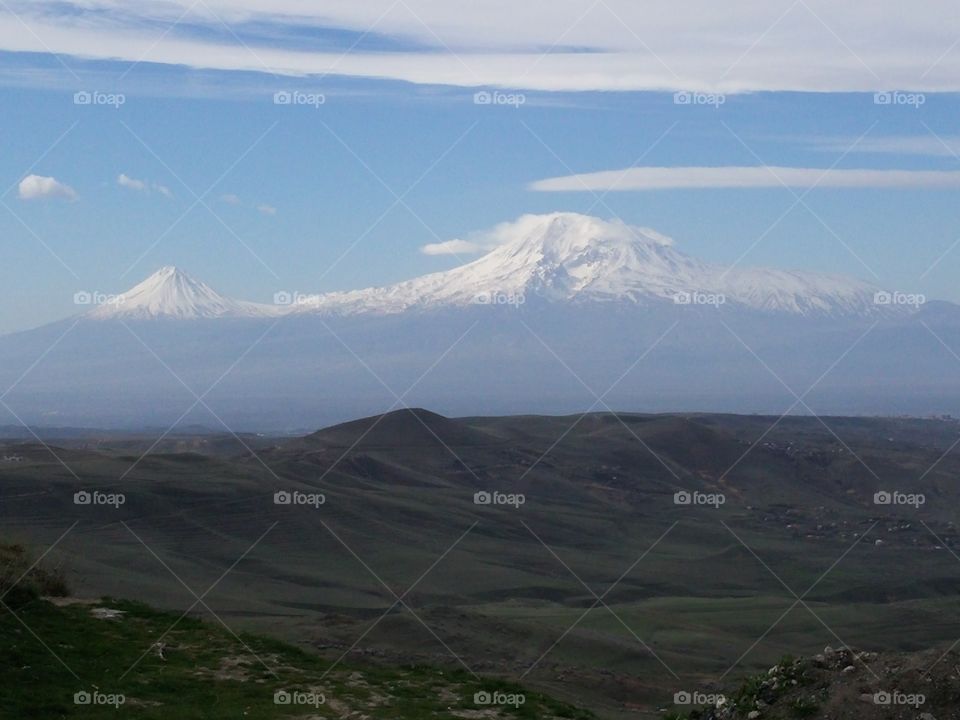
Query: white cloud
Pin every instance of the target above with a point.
(816, 45)
(144, 186)
(532, 225)
(917, 145)
(263, 208)
(453, 247)
(34, 187)
(652, 234)
(126, 181)
(678, 178)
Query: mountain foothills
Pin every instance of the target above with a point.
(503, 536)
(564, 312)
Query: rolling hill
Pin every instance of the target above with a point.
(510, 587)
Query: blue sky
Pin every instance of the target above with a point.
(304, 197)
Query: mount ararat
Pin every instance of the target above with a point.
(557, 258)
(565, 312)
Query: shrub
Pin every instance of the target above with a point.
(20, 583)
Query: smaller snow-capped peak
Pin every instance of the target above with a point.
(173, 294)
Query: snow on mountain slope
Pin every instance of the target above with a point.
(171, 293)
(567, 257)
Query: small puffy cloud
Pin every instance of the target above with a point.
(573, 225)
(144, 186)
(124, 180)
(36, 187)
(236, 201)
(453, 247)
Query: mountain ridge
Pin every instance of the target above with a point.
(559, 257)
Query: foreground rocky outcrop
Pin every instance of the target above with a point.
(842, 684)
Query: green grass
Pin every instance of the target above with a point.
(207, 673)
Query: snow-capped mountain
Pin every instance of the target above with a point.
(599, 310)
(567, 257)
(171, 293)
(557, 258)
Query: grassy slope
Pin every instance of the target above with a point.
(207, 673)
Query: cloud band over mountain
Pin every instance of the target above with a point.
(571, 45)
(679, 178)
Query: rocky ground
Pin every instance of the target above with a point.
(844, 684)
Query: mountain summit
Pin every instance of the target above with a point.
(568, 257)
(173, 294)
